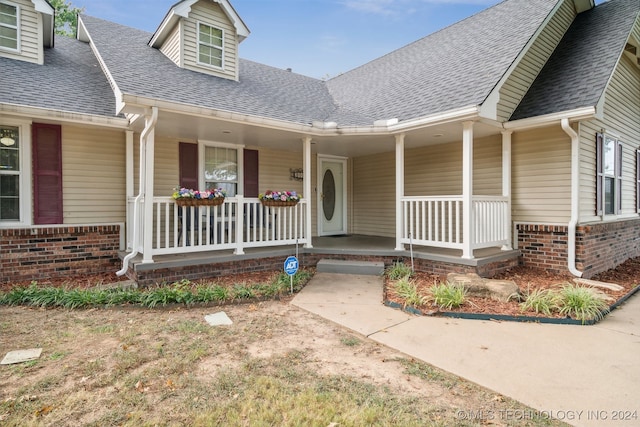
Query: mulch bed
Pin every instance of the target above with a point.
(626, 275)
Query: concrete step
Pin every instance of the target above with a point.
(369, 268)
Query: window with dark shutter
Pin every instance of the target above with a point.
(251, 185)
(599, 172)
(618, 174)
(47, 174)
(188, 154)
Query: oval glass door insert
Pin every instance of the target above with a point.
(329, 195)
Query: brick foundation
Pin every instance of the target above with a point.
(308, 260)
(599, 247)
(40, 253)
(543, 246)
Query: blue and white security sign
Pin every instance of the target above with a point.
(291, 265)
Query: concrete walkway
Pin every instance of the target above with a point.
(583, 375)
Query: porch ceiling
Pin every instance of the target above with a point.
(349, 142)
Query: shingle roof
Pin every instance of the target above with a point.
(452, 68)
(577, 73)
(261, 90)
(71, 81)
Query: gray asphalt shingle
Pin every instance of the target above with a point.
(452, 68)
(71, 80)
(577, 73)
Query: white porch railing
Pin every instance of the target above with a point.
(437, 221)
(236, 224)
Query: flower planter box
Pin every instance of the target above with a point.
(187, 201)
(278, 203)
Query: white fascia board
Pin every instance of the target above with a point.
(63, 116)
(549, 119)
(43, 6)
(471, 112)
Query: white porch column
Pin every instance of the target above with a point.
(306, 154)
(506, 185)
(147, 214)
(399, 190)
(467, 190)
(129, 189)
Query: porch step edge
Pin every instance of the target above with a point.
(365, 268)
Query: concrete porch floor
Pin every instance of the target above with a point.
(332, 246)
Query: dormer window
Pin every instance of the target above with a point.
(9, 31)
(210, 50)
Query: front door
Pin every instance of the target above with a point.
(332, 196)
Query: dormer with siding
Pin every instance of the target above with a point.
(202, 36)
(515, 83)
(26, 29)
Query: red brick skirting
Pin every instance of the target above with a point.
(39, 253)
(599, 247)
(149, 277)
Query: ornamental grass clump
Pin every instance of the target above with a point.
(543, 301)
(448, 295)
(398, 270)
(581, 303)
(408, 291)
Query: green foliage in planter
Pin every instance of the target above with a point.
(398, 270)
(581, 303)
(408, 291)
(448, 295)
(182, 292)
(543, 301)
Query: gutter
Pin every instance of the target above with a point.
(149, 126)
(575, 176)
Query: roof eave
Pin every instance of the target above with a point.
(63, 116)
(574, 115)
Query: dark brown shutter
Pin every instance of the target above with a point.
(47, 174)
(251, 185)
(188, 165)
(599, 172)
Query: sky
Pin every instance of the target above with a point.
(317, 38)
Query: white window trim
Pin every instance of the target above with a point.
(202, 144)
(204, 64)
(24, 130)
(616, 175)
(17, 27)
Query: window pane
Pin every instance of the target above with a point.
(609, 199)
(9, 200)
(609, 156)
(216, 37)
(9, 160)
(8, 14)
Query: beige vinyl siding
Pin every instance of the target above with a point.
(30, 48)
(273, 170)
(166, 167)
(527, 70)
(171, 46)
(429, 171)
(621, 119)
(541, 176)
(93, 174)
(374, 195)
(210, 13)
